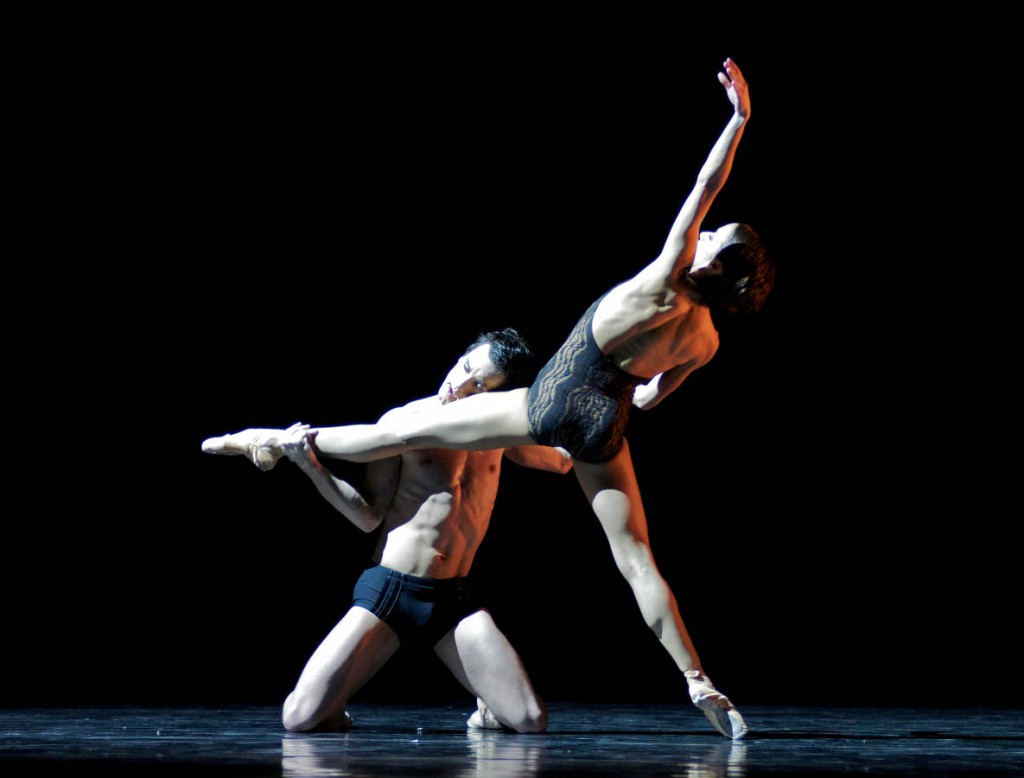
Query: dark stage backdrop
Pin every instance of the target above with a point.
(251, 222)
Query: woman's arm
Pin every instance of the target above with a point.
(680, 245)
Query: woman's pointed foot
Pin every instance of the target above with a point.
(259, 446)
(716, 706)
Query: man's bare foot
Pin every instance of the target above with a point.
(482, 718)
(343, 723)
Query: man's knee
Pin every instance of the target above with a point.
(533, 719)
(291, 714)
(301, 713)
(538, 722)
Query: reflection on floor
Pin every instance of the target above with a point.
(582, 739)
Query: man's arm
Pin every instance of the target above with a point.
(680, 245)
(381, 479)
(554, 459)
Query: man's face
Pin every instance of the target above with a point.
(472, 374)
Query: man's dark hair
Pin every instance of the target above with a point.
(511, 354)
(747, 277)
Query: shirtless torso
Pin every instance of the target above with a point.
(442, 502)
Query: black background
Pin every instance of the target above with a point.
(248, 221)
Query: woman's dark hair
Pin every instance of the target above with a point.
(511, 354)
(747, 277)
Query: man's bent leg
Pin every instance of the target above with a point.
(347, 658)
(485, 663)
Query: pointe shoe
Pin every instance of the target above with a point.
(716, 706)
(259, 446)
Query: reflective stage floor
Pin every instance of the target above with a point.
(582, 739)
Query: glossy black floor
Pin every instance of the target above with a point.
(582, 739)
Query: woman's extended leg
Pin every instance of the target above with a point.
(483, 421)
(612, 490)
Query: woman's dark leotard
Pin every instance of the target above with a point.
(581, 400)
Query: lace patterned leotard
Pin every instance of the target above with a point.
(581, 400)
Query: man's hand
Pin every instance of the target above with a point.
(296, 443)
